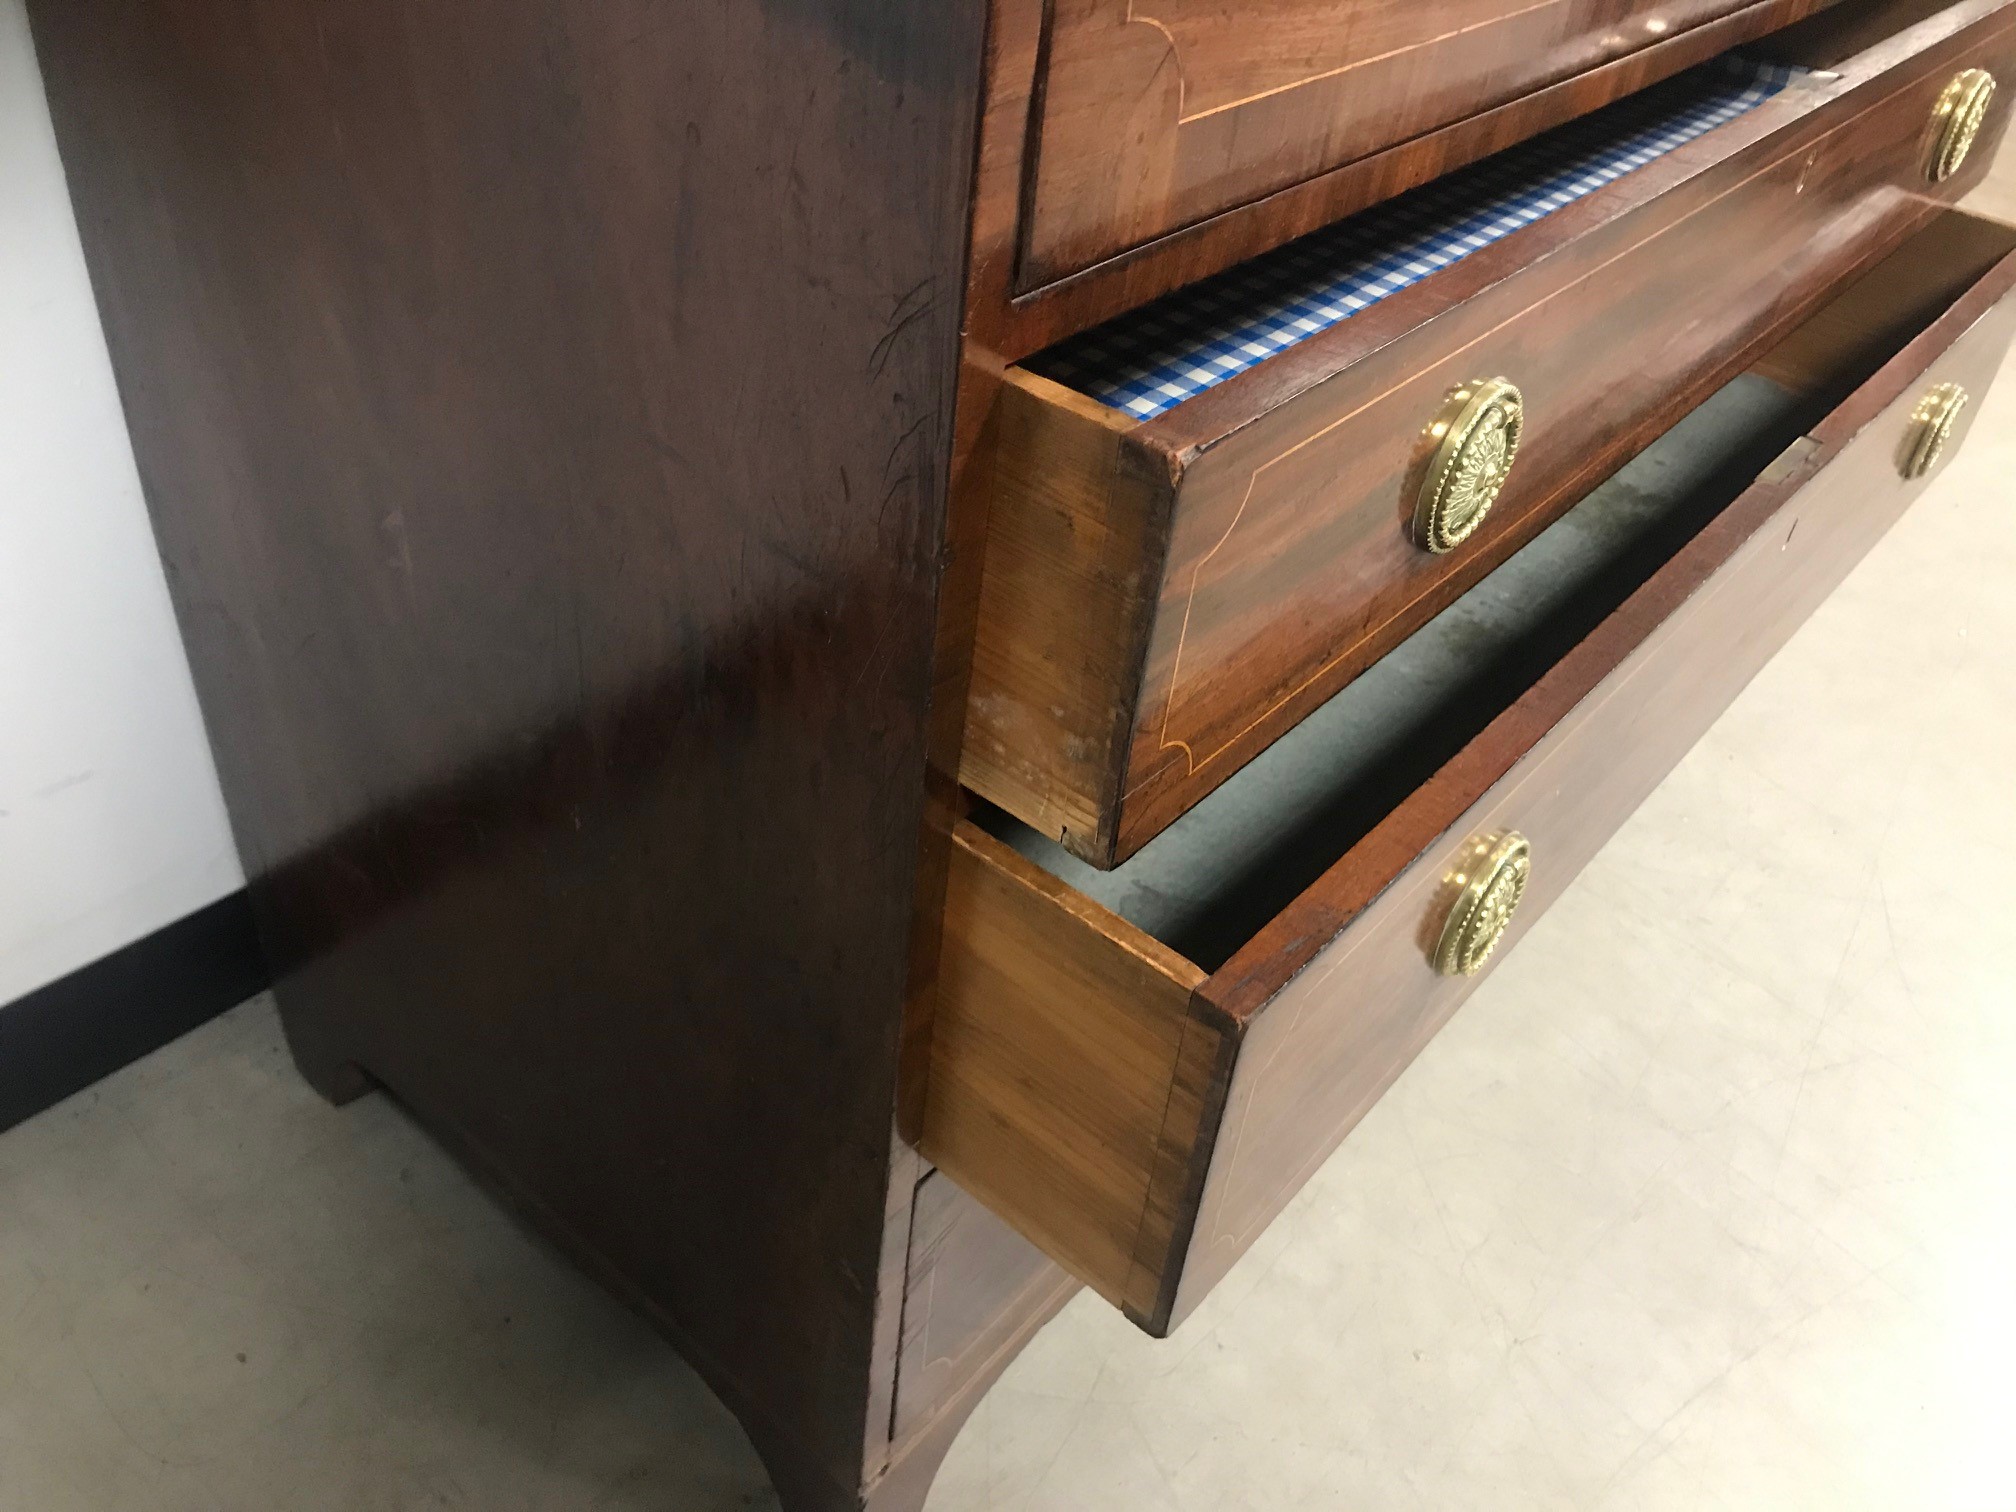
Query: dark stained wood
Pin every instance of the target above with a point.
(979, 1294)
(1156, 114)
(1015, 312)
(546, 410)
(1237, 560)
(1843, 29)
(547, 414)
(1090, 1109)
(976, 1290)
(1868, 321)
(1336, 996)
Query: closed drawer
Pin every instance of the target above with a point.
(1154, 114)
(1138, 1068)
(1165, 596)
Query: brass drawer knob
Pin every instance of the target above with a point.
(1956, 122)
(1472, 444)
(1930, 428)
(1488, 882)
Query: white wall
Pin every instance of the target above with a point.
(110, 821)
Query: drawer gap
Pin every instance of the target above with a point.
(1145, 363)
(1138, 1067)
(1207, 517)
(1217, 875)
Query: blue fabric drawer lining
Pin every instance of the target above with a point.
(1154, 358)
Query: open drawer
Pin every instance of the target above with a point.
(1138, 1068)
(1380, 415)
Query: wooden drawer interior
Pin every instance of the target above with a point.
(1092, 1027)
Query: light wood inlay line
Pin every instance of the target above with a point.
(1185, 117)
(1175, 51)
(1194, 764)
(1423, 885)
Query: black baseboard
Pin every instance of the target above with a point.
(61, 1038)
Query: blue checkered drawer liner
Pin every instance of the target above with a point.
(1156, 357)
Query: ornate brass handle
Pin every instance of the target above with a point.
(1488, 883)
(1956, 121)
(1931, 427)
(1472, 445)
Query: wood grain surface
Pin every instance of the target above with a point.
(1082, 1094)
(1077, 530)
(546, 412)
(1016, 312)
(1336, 996)
(976, 1290)
(1237, 560)
(1062, 1055)
(1156, 114)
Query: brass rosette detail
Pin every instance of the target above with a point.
(1931, 426)
(1488, 884)
(1472, 445)
(1957, 120)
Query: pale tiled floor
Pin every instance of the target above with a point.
(1707, 1200)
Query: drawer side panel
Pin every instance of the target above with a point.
(1077, 532)
(1058, 1055)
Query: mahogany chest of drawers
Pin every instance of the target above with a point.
(892, 657)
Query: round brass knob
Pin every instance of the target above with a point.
(1956, 122)
(1472, 443)
(1931, 427)
(1488, 883)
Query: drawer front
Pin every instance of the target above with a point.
(1164, 600)
(1317, 1053)
(1156, 114)
(1142, 1122)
